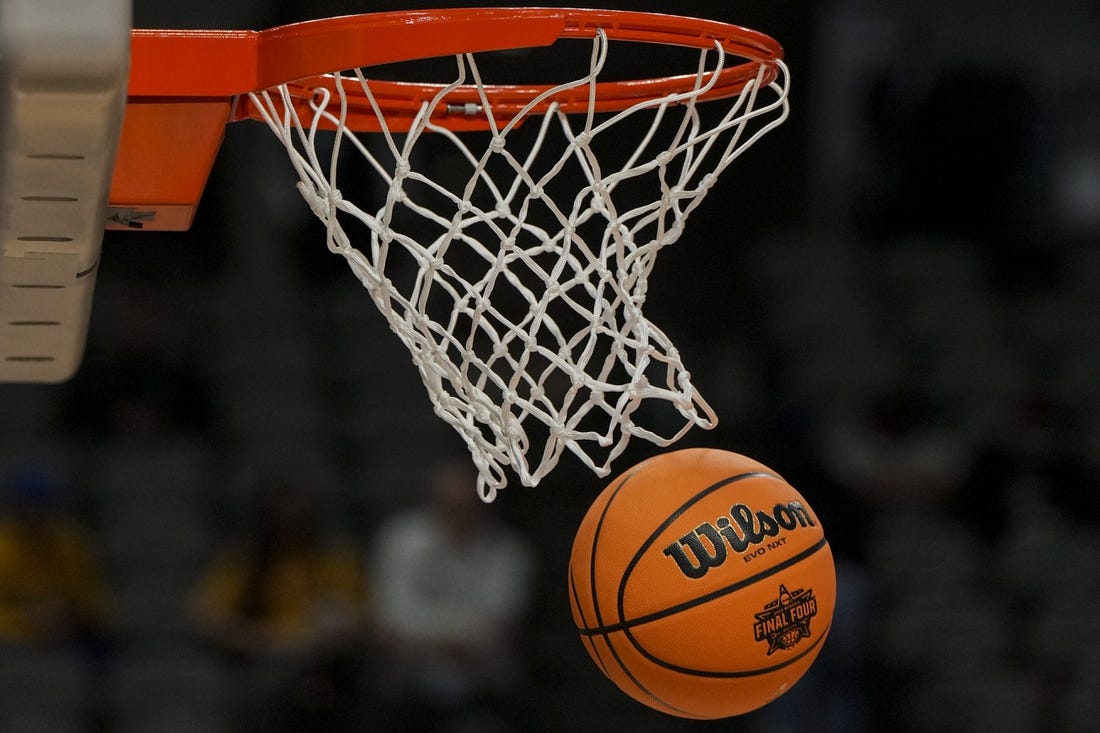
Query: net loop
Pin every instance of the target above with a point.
(516, 271)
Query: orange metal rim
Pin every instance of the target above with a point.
(195, 63)
(185, 85)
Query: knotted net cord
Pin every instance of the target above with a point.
(516, 273)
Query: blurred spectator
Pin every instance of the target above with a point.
(285, 605)
(51, 591)
(452, 583)
(900, 449)
(1034, 449)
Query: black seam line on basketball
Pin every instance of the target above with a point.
(731, 588)
(710, 674)
(604, 665)
(699, 496)
(595, 541)
(595, 652)
(596, 603)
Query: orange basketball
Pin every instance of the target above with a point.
(701, 583)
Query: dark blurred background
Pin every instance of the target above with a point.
(892, 300)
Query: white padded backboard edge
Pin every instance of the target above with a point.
(63, 77)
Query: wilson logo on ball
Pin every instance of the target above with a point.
(740, 531)
(785, 621)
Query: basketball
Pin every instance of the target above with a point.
(701, 583)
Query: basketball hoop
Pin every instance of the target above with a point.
(515, 274)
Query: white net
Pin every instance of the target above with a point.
(514, 264)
